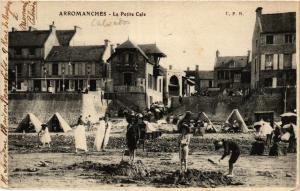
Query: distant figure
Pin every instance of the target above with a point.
(132, 137)
(236, 126)
(180, 100)
(88, 122)
(80, 138)
(79, 120)
(44, 135)
(100, 132)
(228, 146)
(184, 141)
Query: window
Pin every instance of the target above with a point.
(31, 51)
(130, 58)
(154, 83)
(160, 90)
(54, 69)
(18, 51)
(19, 68)
(256, 43)
(288, 38)
(232, 64)
(269, 39)
(255, 66)
(32, 69)
(126, 58)
(269, 61)
(149, 81)
(287, 61)
(237, 77)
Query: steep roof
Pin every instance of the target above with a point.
(38, 38)
(64, 36)
(28, 38)
(151, 49)
(226, 62)
(278, 22)
(202, 74)
(76, 53)
(144, 49)
(206, 75)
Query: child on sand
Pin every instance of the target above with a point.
(228, 146)
(44, 135)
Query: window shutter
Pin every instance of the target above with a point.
(275, 62)
(59, 69)
(280, 61)
(262, 62)
(50, 69)
(294, 65)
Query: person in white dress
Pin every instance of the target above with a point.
(100, 132)
(80, 138)
(107, 132)
(44, 135)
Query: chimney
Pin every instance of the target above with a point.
(170, 67)
(118, 44)
(248, 55)
(30, 28)
(188, 69)
(197, 67)
(106, 41)
(258, 11)
(52, 26)
(217, 53)
(13, 29)
(112, 50)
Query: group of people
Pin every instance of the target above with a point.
(102, 133)
(185, 127)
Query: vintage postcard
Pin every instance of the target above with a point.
(149, 94)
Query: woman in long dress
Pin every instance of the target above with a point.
(80, 138)
(107, 132)
(44, 135)
(100, 132)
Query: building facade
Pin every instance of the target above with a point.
(43, 61)
(203, 79)
(135, 70)
(232, 71)
(74, 68)
(274, 50)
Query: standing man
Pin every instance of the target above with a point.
(228, 146)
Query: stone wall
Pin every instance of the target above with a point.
(218, 107)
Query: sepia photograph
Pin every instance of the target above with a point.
(140, 94)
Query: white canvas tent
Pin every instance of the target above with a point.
(57, 124)
(235, 115)
(30, 124)
(205, 118)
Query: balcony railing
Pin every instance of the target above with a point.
(126, 89)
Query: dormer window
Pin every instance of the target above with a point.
(269, 39)
(31, 51)
(288, 38)
(232, 64)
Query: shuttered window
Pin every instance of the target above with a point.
(262, 62)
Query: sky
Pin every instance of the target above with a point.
(189, 33)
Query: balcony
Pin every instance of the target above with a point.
(128, 89)
(127, 66)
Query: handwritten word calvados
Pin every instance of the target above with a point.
(109, 23)
(29, 10)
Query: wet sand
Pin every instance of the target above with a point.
(259, 171)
